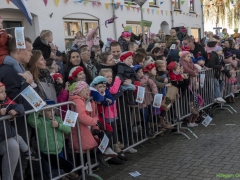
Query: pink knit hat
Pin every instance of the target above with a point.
(183, 53)
(77, 87)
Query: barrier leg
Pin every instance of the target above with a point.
(89, 167)
(222, 106)
(178, 130)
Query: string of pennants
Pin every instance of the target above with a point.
(128, 7)
(148, 10)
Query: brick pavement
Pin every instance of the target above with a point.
(173, 157)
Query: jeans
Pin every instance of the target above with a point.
(218, 87)
(13, 148)
(128, 87)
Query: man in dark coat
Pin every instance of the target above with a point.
(195, 48)
(15, 85)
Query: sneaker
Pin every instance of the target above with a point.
(195, 124)
(110, 153)
(116, 148)
(120, 145)
(132, 150)
(34, 155)
(135, 129)
(190, 125)
(220, 100)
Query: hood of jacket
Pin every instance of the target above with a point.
(39, 42)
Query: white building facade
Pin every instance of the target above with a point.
(67, 17)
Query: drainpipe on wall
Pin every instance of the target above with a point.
(115, 27)
(172, 9)
(202, 20)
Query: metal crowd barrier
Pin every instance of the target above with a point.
(129, 126)
(37, 169)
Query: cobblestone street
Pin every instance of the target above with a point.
(174, 157)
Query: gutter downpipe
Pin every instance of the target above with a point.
(115, 27)
(202, 20)
(172, 19)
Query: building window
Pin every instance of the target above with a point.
(152, 2)
(191, 5)
(11, 24)
(71, 27)
(177, 4)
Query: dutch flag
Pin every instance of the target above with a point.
(22, 5)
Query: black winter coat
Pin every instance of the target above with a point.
(217, 65)
(199, 51)
(39, 45)
(10, 131)
(126, 72)
(123, 43)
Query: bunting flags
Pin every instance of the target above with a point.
(45, 2)
(56, 2)
(121, 6)
(106, 5)
(22, 6)
(153, 11)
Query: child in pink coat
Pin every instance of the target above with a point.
(79, 93)
(110, 112)
(150, 86)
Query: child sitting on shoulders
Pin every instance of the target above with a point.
(127, 75)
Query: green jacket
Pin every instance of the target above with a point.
(157, 80)
(50, 133)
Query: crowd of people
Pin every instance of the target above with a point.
(111, 77)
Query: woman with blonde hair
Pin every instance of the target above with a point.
(161, 35)
(42, 43)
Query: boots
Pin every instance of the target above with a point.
(192, 108)
(148, 131)
(101, 160)
(164, 124)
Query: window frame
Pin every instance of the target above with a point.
(154, 4)
(179, 5)
(81, 21)
(191, 5)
